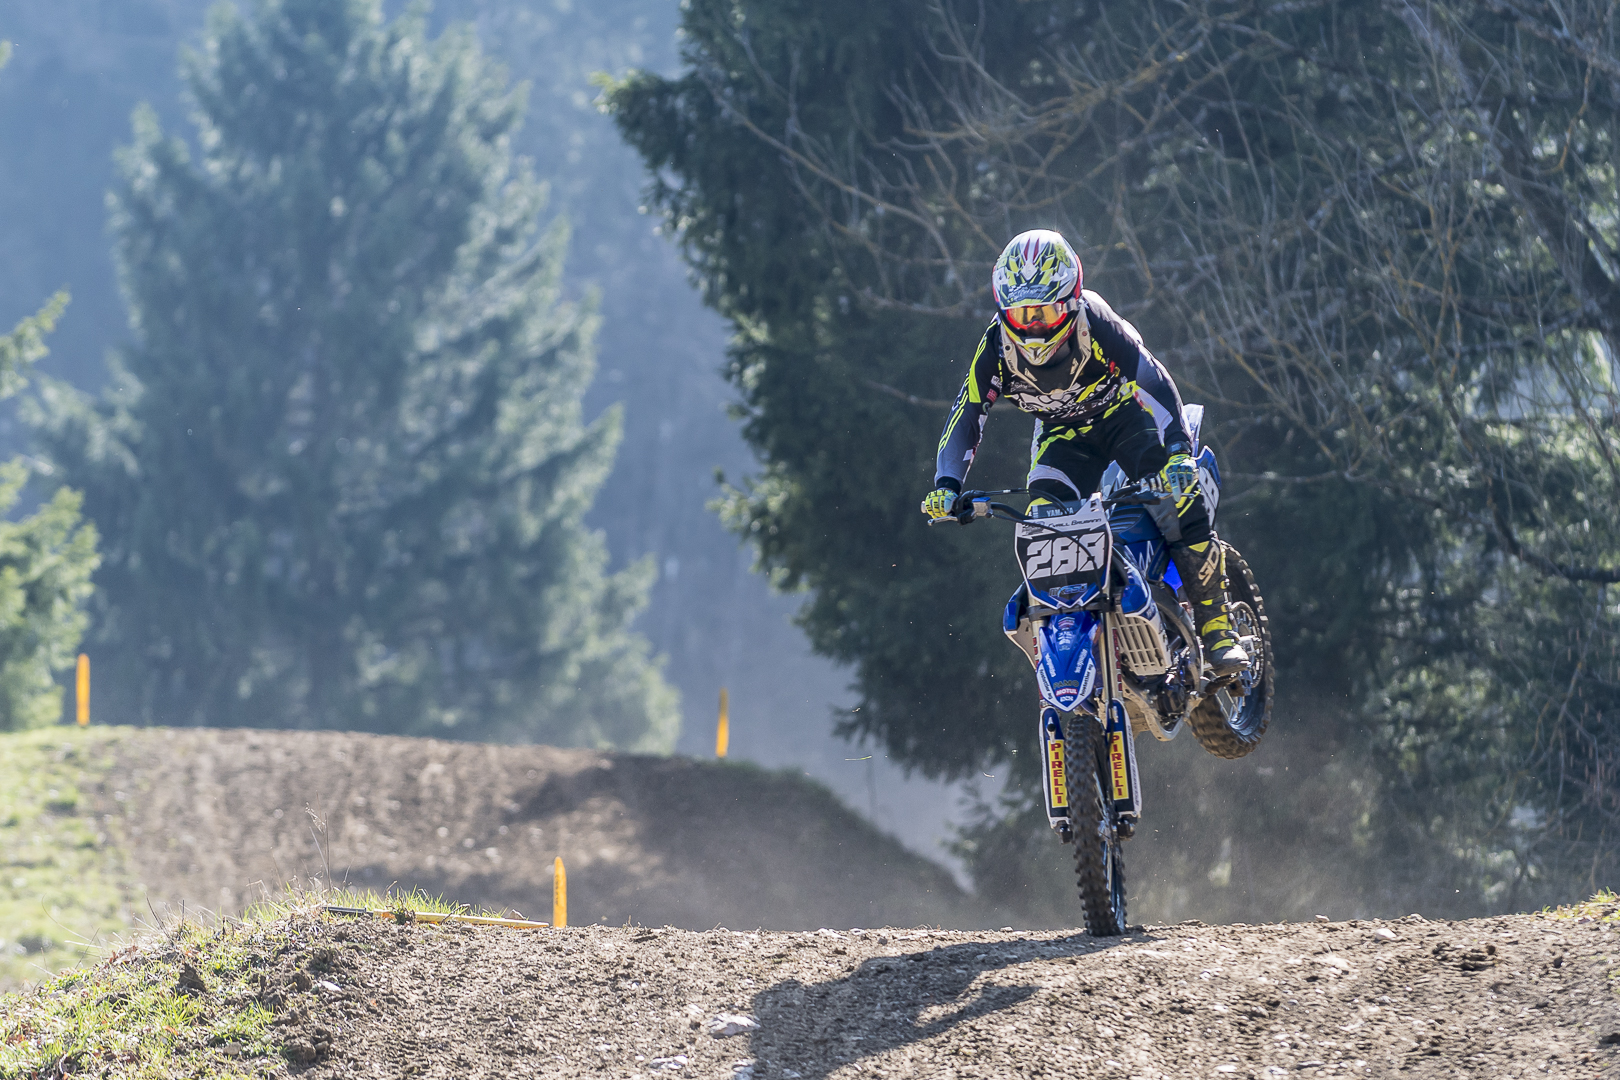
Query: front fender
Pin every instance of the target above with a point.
(1067, 668)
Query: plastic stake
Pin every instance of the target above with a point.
(722, 733)
(82, 686)
(559, 893)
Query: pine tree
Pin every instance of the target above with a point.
(343, 463)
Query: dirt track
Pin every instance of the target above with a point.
(1516, 996)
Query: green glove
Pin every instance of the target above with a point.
(1180, 478)
(939, 503)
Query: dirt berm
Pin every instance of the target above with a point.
(215, 819)
(1527, 995)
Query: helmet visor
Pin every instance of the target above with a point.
(1036, 316)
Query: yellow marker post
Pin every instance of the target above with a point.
(559, 893)
(722, 734)
(82, 685)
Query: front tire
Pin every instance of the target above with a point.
(1229, 725)
(1099, 865)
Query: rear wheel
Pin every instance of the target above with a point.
(1231, 722)
(1099, 866)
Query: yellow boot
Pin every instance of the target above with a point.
(1203, 575)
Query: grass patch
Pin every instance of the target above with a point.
(1603, 906)
(210, 1002)
(407, 906)
(64, 884)
(401, 903)
(185, 1004)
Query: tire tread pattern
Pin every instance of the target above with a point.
(1084, 744)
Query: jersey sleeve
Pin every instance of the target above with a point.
(965, 427)
(1154, 389)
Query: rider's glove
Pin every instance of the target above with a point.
(939, 504)
(1180, 478)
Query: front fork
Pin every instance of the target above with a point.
(1122, 776)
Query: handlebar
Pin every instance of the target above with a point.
(977, 504)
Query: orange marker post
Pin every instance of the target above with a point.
(559, 893)
(722, 733)
(82, 686)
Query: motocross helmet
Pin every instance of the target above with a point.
(1037, 284)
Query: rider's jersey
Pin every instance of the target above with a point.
(1100, 368)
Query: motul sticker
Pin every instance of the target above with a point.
(1054, 771)
(1117, 766)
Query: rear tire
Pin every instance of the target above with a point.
(1099, 865)
(1225, 724)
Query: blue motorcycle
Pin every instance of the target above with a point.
(1103, 618)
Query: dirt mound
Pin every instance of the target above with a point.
(213, 818)
(1509, 996)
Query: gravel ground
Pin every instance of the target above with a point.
(1527, 995)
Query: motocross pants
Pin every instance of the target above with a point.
(1067, 461)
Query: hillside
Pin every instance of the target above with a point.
(109, 826)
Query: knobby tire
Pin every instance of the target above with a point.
(1236, 738)
(1096, 827)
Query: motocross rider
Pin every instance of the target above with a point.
(1058, 352)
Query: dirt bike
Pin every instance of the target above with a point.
(1103, 618)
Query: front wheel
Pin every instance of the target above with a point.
(1099, 865)
(1227, 724)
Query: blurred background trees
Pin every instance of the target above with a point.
(342, 468)
(81, 66)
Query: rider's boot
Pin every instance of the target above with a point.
(1203, 575)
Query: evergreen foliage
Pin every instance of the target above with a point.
(343, 463)
(1347, 228)
(46, 560)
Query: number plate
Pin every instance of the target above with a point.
(1051, 561)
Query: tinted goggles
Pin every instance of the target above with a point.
(1037, 316)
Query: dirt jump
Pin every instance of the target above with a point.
(214, 820)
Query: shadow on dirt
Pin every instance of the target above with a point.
(892, 1001)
